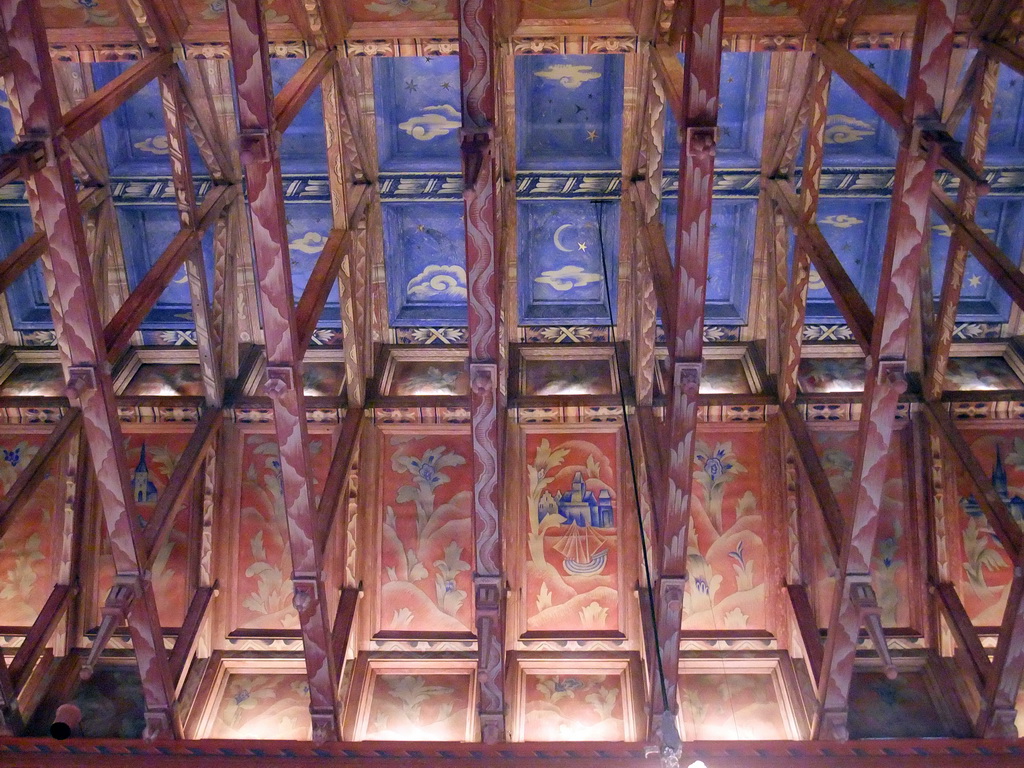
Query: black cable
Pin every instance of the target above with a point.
(632, 459)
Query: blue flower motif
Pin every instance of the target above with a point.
(12, 457)
(241, 696)
(88, 3)
(702, 585)
(737, 554)
(569, 684)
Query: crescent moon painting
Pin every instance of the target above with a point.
(558, 238)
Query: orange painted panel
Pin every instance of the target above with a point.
(402, 10)
(263, 570)
(730, 706)
(574, 513)
(26, 551)
(426, 533)
(263, 706)
(727, 557)
(151, 460)
(421, 707)
(574, 708)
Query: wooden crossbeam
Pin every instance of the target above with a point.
(118, 333)
(483, 285)
(86, 115)
(153, 27)
(343, 619)
(73, 304)
(959, 623)
(21, 258)
(691, 90)
(261, 157)
(290, 100)
(180, 482)
(334, 495)
(905, 244)
(207, 137)
(174, 112)
(42, 630)
(31, 476)
(188, 636)
(807, 626)
(982, 101)
(21, 161)
(1004, 53)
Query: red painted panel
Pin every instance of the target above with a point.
(574, 708)
(26, 576)
(417, 707)
(574, 513)
(727, 557)
(426, 533)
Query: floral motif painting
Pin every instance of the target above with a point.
(730, 706)
(31, 379)
(567, 377)
(587, 707)
(574, 9)
(166, 380)
(820, 375)
(26, 576)
(151, 460)
(263, 706)
(64, 14)
(402, 10)
(978, 565)
(726, 556)
(980, 373)
(263, 570)
(427, 533)
(419, 707)
(434, 377)
(890, 571)
(573, 513)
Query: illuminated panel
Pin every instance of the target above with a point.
(28, 380)
(574, 512)
(26, 549)
(419, 707)
(429, 377)
(263, 706)
(731, 706)
(719, 377)
(728, 561)
(980, 374)
(262, 593)
(567, 377)
(166, 380)
(826, 375)
(426, 531)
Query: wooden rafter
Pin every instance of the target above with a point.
(907, 234)
(262, 161)
(76, 319)
(479, 167)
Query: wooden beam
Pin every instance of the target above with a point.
(1002, 268)
(180, 482)
(334, 494)
(290, 100)
(480, 180)
(343, 620)
(842, 289)
(21, 258)
(43, 627)
(959, 623)
(73, 304)
(1004, 53)
(21, 161)
(692, 91)
(906, 241)
(86, 115)
(982, 100)
(807, 626)
(260, 154)
(118, 333)
(188, 636)
(31, 476)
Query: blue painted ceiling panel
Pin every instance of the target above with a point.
(26, 298)
(418, 113)
(569, 112)
(1006, 137)
(730, 256)
(309, 225)
(425, 259)
(6, 126)
(744, 89)
(304, 143)
(561, 268)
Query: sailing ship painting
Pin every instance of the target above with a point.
(572, 570)
(584, 548)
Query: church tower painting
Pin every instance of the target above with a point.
(143, 489)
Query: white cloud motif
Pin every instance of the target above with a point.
(946, 231)
(569, 76)
(841, 220)
(311, 242)
(437, 120)
(154, 145)
(568, 277)
(843, 129)
(438, 281)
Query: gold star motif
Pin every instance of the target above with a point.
(591, 135)
(583, 247)
(975, 281)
